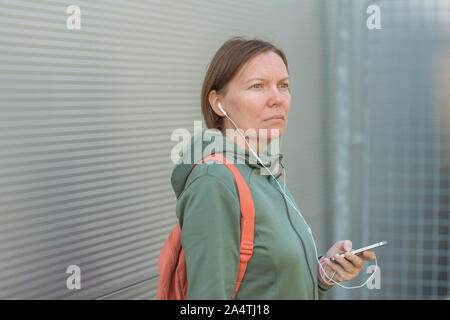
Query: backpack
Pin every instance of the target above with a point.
(172, 283)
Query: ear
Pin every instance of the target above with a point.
(214, 100)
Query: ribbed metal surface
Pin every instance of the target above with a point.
(86, 119)
(146, 290)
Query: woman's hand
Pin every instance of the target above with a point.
(346, 268)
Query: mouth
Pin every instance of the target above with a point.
(277, 117)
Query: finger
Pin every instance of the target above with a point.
(355, 260)
(343, 245)
(340, 272)
(327, 274)
(368, 255)
(335, 276)
(330, 275)
(344, 263)
(347, 245)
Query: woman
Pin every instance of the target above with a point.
(247, 86)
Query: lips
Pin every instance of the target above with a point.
(276, 117)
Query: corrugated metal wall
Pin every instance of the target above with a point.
(86, 119)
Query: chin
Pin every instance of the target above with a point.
(271, 133)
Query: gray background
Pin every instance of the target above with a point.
(87, 115)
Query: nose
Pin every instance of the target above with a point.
(276, 98)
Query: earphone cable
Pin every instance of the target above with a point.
(309, 229)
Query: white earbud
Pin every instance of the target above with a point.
(221, 109)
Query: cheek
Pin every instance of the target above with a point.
(253, 109)
(287, 104)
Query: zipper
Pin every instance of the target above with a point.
(303, 244)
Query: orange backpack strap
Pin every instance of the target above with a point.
(278, 171)
(248, 216)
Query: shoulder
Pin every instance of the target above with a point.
(209, 186)
(211, 175)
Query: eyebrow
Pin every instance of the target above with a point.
(286, 78)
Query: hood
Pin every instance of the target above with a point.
(211, 141)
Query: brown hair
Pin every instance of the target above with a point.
(226, 63)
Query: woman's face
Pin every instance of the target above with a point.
(258, 96)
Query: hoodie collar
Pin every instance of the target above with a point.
(212, 141)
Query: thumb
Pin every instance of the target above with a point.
(347, 245)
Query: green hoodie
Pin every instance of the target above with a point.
(283, 265)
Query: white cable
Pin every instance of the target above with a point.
(293, 206)
(331, 279)
(284, 177)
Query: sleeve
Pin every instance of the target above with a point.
(323, 287)
(209, 214)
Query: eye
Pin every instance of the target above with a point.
(285, 84)
(256, 84)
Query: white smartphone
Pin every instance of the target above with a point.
(375, 245)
